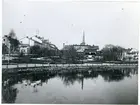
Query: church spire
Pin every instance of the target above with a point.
(83, 42)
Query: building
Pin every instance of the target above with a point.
(49, 45)
(24, 48)
(130, 54)
(99, 56)
(36, 41)
(88, 51)
(5, 40)
(30, 41)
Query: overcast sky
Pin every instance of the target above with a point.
(63, 22)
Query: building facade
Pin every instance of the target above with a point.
(130, 55)
(5, 40)
(24, 48)
(84, 49)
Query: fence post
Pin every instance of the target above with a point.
(7, 65)
(49, 64)
(56, 64)
(17, 65)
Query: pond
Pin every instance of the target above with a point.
(94, 87)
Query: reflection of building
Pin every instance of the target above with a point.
(130, 55)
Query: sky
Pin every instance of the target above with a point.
(61, 22)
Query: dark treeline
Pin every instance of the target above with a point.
(112, 53)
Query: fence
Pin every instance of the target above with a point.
(8, 66)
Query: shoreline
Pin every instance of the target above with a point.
(66, 67)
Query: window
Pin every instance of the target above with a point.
(23, 50)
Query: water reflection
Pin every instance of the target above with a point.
(113, 76)
(70, 78)
(9, 92)
(109, 76)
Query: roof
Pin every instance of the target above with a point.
(131, 50)
(66, 47)
(80, 45)
(24, 45)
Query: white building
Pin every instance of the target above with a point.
(130, 55)
(5, 40)
(30, 41)
(24, 48)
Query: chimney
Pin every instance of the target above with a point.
(63, 45)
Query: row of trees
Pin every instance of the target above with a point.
(109, 53)
(42, 52)
(70, 55)
(112, 53)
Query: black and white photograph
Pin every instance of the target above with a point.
(70, 51)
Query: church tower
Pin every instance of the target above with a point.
(83, 42)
